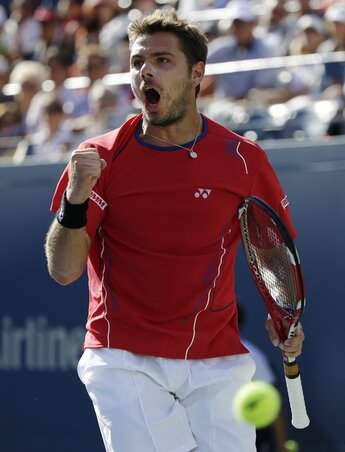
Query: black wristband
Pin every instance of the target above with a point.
(72, 216)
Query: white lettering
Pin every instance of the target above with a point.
(98, 200)
(284, 202)
(36, 346)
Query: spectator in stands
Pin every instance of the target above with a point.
(244, 97)
(186, 6)
(308, 7)
(6, 46)
(310, 33)
(74, 100)
(4, 72)
(92, 61)
(70, 11)
(97, 13)
(337, 123)
(11, 128)
(239, 44)
(3, 15)
(286, 14)
(54, 138)
(274, 25)
(299, 8)
(73, 27)
(23, 29)
(51, 32)
(334, 77)
(242, 100)
(107, 110)
(70, 19)
(28, 77)
(59, 63)
(113, 35)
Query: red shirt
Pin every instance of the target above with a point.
(164, 231)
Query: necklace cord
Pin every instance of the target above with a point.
(191, 151)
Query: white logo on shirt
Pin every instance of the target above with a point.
(284, 202)
(98, 200)
(203, 193)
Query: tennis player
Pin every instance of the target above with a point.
(151, 210)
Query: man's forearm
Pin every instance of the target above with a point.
(66, 252)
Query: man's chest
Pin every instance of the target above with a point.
(174, 204)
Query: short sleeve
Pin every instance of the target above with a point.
(266, 186)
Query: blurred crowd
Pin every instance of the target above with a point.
(55, 56)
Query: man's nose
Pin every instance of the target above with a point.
(147, 69)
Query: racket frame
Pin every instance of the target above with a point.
(300, 417)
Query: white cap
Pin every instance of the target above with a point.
(312, 21)
(336, 13)
(241, 10)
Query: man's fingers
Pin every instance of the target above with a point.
(91, 153)
(85, 170)
(88, 162)
(274, 336)
(103, 164)
(292, 347)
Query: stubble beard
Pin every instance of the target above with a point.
(177, 109)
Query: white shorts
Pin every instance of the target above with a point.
(150, 404)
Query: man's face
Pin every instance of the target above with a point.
(339, 32)
(160, 78)
(243, 31)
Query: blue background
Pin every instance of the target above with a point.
(44, 407)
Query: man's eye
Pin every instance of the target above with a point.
(163, 60)
(137, 64)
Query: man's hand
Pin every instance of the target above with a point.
(292, 348)
(85, 168)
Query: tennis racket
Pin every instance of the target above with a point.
(274, 264)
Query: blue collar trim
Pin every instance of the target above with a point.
(170, 148)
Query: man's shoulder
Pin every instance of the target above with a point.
(106, 140)
(111, 141)
(216, 128)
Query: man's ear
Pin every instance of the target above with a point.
(198, 72)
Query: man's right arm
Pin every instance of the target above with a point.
(66, 252)
(67, 243)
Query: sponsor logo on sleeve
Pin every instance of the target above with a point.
(98, 200)
(284, 202)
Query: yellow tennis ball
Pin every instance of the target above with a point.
(257, 403)
(291, 446)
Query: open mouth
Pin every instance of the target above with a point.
(152, 98)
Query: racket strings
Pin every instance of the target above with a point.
(271, 261)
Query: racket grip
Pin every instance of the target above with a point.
(293, 380)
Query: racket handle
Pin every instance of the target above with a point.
(300, 417)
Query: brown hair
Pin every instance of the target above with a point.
(192, 39)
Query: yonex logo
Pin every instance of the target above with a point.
(202, 193)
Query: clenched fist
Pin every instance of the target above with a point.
(85, 168)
